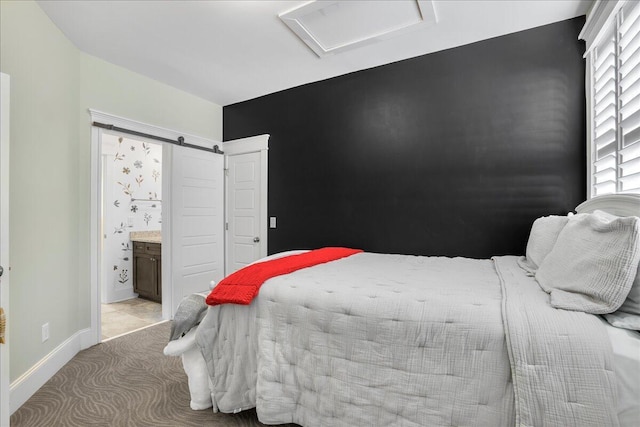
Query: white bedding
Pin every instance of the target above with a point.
(626, 359)
(329, 345)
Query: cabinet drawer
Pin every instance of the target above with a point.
(147, 248)
(153, 248)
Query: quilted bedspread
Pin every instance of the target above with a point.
(382, 340)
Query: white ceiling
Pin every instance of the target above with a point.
(232, 51)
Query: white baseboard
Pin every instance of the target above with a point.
(119, 295)
(28, 383)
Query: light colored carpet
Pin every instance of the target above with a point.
(126, 381)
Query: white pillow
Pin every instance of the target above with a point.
(629, 312)
(281, 255)
(593, 264)
(619, 319)
(543, 236)
(632, 304)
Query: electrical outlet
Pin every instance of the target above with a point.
(45, 332)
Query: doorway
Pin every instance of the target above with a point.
(246, 201)
(4, 244)
(131, 211)
(188, 162)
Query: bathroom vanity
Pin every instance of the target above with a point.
(147, 264)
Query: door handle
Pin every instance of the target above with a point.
(256, 239)
(3, 325)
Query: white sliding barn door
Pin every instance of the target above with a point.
(197, 221)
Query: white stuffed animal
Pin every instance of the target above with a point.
(195, 368)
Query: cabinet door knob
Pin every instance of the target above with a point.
(256, 239)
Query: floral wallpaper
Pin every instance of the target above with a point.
(132, 201)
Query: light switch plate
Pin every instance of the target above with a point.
(45, 332)
(272, 222)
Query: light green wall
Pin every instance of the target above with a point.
(44, 184)
(115, 90)
(53, 85)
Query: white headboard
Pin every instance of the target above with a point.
(617, 204)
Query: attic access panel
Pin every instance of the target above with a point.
(332, 26)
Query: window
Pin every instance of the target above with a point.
(615, 103)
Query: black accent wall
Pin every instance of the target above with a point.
(453, 153)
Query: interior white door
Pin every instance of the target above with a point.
(4, 243)
(244, 233)
(197, 221)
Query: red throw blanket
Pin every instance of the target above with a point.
(242, 286)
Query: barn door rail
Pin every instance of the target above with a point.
(179, 141)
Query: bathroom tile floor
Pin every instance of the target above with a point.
(125, 316)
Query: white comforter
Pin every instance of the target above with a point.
(402, 340)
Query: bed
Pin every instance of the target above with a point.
(381, 339)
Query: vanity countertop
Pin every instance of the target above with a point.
(151, 236)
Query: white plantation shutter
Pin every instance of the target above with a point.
(616, 105)
(605, 113)
(629, 147)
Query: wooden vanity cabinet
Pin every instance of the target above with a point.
(147, 270)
